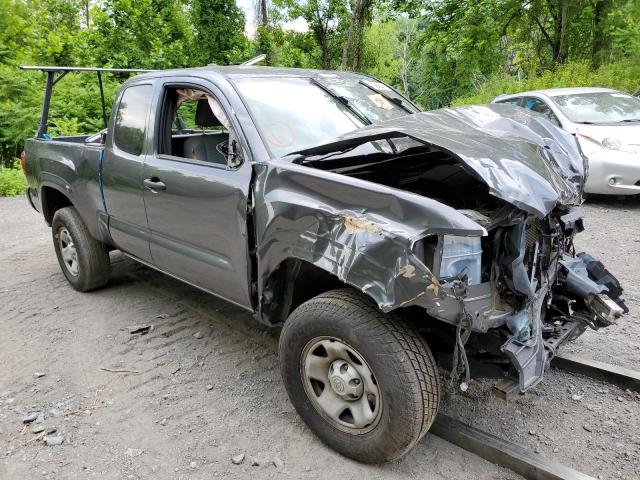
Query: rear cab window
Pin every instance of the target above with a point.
(131, 119)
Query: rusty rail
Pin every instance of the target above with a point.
(501, 452)
(622, 377)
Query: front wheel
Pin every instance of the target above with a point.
(83, 259)
(365, 383)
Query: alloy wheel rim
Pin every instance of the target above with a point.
(341, 385)
(68, 251)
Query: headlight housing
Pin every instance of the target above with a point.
(459, 253)
(617, 144)
(612, 143)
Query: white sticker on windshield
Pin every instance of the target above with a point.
(380, 102)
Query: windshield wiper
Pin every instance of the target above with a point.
(630, 120)
(343, 100)
(395, 100)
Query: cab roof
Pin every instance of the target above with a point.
(240, 71)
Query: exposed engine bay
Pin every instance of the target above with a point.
(522, 284)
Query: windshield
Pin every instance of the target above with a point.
(601, 107)
(295, 113)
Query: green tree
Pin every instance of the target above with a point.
(140, 34)
(352, 49)
(327, 21)
(219, 32)
(13, 30)
(458, 47)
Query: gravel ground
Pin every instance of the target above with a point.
(208, 386)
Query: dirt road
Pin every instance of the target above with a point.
(203, 383)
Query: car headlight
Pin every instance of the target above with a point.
(612, 143)
(459, 253)
(616, 144)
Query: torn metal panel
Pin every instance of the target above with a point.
(523, 158)
(529, 356)
(587, 278)
(361, 232)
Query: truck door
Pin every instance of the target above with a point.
(122, 171)
(196, 193)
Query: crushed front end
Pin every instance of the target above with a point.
(475, 217)
(534, 292)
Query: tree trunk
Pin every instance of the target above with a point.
(353, 45)
(599, 41)
(560, 12)
(263, 12)
(407, 37)
(346, 48)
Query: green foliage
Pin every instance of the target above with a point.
(12, 181)
(382, 56)
(139, 34)
(20, 103)
(327, 21)
(465, 44)
(219, 32)
(12, 28)
(457, 49)
(286, 48)
(117, 33)
(623, 75)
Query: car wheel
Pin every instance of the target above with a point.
(364, 382)
(83, 259)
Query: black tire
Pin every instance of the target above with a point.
(402, 363)
(92, 267)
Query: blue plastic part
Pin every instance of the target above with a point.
(518, 324)
(104, 203)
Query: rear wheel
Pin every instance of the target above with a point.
(83, 259)
(366, 383)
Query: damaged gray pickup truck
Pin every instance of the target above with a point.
(387, 242)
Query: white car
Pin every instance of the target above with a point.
(607, 125)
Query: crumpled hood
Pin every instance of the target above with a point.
(522, 157)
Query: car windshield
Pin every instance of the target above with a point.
(600, 107)
(294, 113)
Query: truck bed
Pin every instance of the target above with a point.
(71, 165)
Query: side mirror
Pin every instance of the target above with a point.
(235, 154)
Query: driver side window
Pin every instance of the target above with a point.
(195, 127)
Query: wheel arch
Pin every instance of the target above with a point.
(291, 283)
(53, 199)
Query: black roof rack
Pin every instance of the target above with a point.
(52, 68)
(61, 71)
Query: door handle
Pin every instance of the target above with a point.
(154, 184)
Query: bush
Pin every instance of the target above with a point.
(622, 75)
(12, 182)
